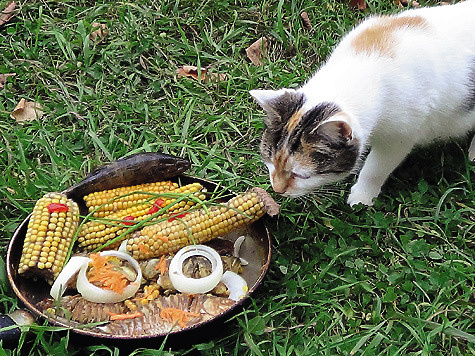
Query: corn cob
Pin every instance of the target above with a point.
(109, 201)
(52, 225)
(96, 233)
(199, 226)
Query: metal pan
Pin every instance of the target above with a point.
(256, 250)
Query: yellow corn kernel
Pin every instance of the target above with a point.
(130, 305)
(50, 230)
(109, 201)
(195, 227)
(96, 233)
(150, 292)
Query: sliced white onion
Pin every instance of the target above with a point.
(123, 247)
(237, 249)
(95, 294)
(236, 285)
(66, 275)
(195, 285)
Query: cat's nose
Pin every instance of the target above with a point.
(279, 187)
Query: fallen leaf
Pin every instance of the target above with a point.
(406, 3)
(189, 71)
(257, 51)
(99, 33)
(27, 111)
(7, 12)
(306, 20)
(142, 62)
(358, 4)
(3, 78)
(192, 72)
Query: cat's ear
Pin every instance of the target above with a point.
(335, 130)
(278, 104)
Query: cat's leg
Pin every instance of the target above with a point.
(471, 150)
(379, 164)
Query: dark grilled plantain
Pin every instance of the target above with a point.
(135, 169)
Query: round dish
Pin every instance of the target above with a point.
(256, 250)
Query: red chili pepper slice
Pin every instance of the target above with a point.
(159, 202)
(176, 216)
(153, 209)
(156, 206)
(57, 208)
(128, 220)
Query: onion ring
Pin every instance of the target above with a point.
(67, 273)
(195, 285)
(237, 249)
(236, 285)
(123, 247)
(95, 294)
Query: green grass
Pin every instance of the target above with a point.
(393, 279)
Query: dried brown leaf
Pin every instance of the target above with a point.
(3, 78)
(189, 71)
(358, 4)
(306, 21)
(257, 51)
(7, 12)
(406, 3)
(99, 33)
(192, 72)
(142, 62)
(27, 111)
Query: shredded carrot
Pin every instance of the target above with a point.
(177, 316)
(114, 316)
(143, 248)
(162, 265)
(103, 275)
(162, 238)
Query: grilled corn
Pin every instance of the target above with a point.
(106, 202)
(50, 230)
(196, 227)
(96, 233)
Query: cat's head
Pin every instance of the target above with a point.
(304, 146)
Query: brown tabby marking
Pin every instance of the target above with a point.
(380, 37)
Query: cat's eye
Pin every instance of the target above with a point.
(296, 175)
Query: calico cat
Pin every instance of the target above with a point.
(393, 82)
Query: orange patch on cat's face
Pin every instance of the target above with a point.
(380, 37)
(294, 120)
(281, 175)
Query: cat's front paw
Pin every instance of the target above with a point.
(363, 196)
